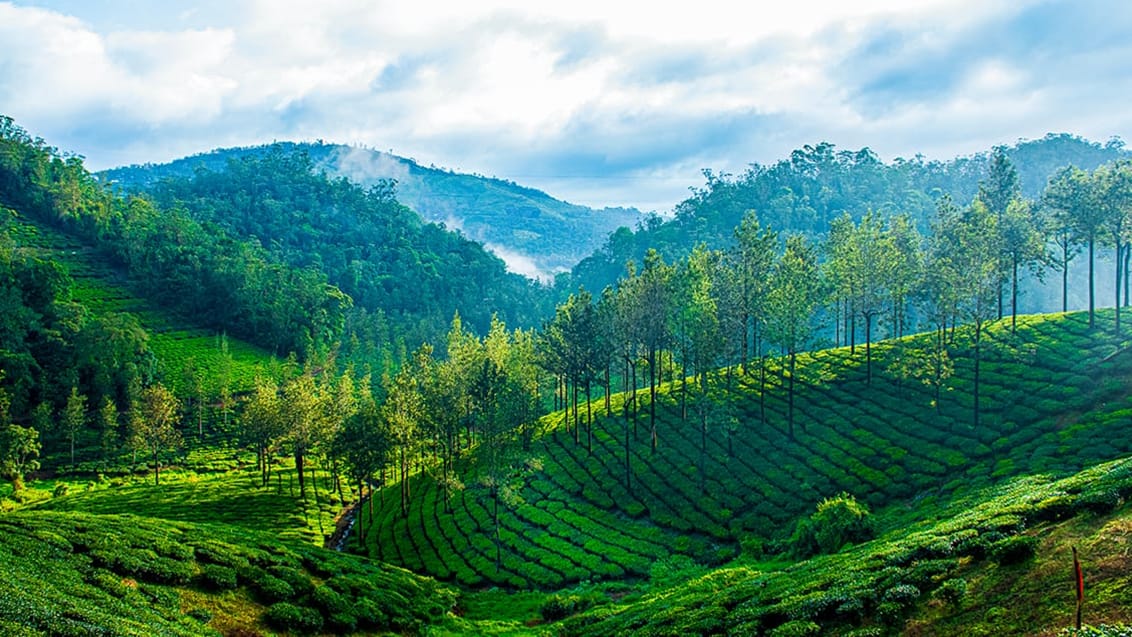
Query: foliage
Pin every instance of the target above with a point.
(125, 575)
(837, 521)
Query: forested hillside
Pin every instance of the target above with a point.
(816, 185)
(534, 232)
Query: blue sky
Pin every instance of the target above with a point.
(595, 101)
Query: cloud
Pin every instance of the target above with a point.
(595, 102)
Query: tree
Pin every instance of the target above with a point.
(972, 240)
(865, 262)
(653, 299)
(701, 340)
(1072, 196)
(151, 425)
(107, 421)
(1114, 183)
(19, 453)
(1022, 244)
(996, 192)
(302, 413)
(752, 260)
(795, 292)
(403, 412)
(263, 423)
(73, 418)
(364, 444)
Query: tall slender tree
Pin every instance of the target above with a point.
(795, 292)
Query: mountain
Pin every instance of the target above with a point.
(536, 234)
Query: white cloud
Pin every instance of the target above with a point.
(595, 101)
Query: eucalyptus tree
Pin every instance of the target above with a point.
(1072, 195)
(752, 259)
(701, 341)
(73, 418)
(971, 238)
(908, 271)
(1056, 203)
(1114, 197)
(654, 298)
(302, 414)
(364, 443)
(1022, 243)
(865, 263)
(795, 293)
(262, 423)
(1000, 187)
(403, 412)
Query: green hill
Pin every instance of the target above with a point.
(104, 290)
(1055, 399)
(534, 232)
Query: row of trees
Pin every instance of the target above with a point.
(731, 307)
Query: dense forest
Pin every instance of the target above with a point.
(540, 233)
(817, 184)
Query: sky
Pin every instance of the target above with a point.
(598, 102)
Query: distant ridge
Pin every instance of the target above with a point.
(534, 233)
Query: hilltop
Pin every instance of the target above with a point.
(536, 234)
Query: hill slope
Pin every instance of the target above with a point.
(1055, 398)
(533, 232)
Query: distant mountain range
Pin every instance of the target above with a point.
(534, 233)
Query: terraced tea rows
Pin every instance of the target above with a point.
(1054, 398)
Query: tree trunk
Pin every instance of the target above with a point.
(299, 469)
(790, 396)
(156, 469)
(628, 480)
(868, 349)
(1092, 303)
(608, 410)
(1119, 252)
(1065, 277)
(1014, 294)
(589, 421)
(978, 339)
(358, 518)
(652, 401)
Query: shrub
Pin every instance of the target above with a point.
(289, 617)
(60, 490)
(273, 589)
(561, 606)
(952, 591)
(836, 522)
(796, 628)
(1014, 550)
(1098, 502)
(219, 578)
